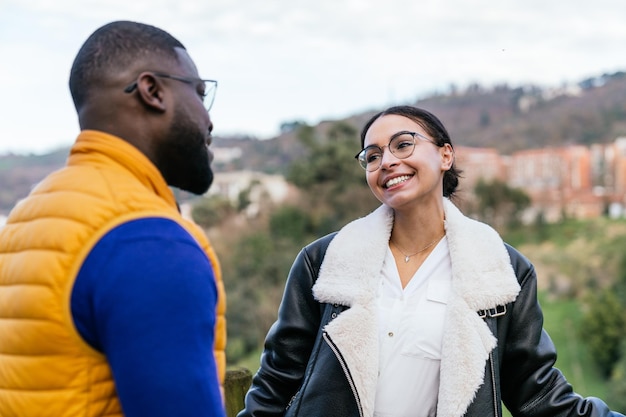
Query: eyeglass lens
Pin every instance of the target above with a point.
(210, 88)
(401, 146)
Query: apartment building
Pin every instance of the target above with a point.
(575, 180)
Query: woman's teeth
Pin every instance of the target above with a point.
(396, 180)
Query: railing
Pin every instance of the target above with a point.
(236, 385)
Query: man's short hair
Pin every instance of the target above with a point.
(113, 47)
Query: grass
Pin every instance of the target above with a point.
(562, 320)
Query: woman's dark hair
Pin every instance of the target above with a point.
(433, 126)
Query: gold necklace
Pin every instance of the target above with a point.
(408, 257)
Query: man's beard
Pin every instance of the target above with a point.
(183, 158)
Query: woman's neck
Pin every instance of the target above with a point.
(416, 228)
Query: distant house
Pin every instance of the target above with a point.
(257, 186)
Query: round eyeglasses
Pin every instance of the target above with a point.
(401, 145)
(206, 88)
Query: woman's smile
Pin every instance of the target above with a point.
(397, 180)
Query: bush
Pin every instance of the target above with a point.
(603, 329)
(211, 211)
(617, 387)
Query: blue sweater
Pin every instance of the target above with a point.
(145, 297)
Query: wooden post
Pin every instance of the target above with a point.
(236, 386)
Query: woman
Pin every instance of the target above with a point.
(414, 310)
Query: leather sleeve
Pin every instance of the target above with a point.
(531, 385)
(290, 340)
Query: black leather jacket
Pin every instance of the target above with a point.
(304, 373)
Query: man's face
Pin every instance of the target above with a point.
(184, 157)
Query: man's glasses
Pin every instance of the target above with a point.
(207, 91)
(401, 145)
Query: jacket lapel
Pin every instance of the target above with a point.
(482, 278)
(350, 275)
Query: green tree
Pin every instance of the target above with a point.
(620, 282)
(256, 276)
(209, 212)
(499, 204)
(332, 183)
(329, 160)
(603, 328)
(617, 387)
(290, 222)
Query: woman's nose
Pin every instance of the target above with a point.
(387, 158)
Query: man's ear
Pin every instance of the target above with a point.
(150, 91)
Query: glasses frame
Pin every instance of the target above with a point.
(360, 157)
(210, 86)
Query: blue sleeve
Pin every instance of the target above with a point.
(145, 297)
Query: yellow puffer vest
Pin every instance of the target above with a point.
(46, 369)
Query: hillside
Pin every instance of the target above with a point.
(503, 117)
(513, 119)
(18, 174)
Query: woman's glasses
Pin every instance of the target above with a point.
(401, 145)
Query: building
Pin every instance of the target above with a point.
(255, 187)
(575, 180)
(480, 163)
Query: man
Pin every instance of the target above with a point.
(110, 302)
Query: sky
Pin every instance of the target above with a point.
(280, 61)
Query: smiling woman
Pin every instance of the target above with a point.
(431, 314)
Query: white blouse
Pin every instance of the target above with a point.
(411, 329)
